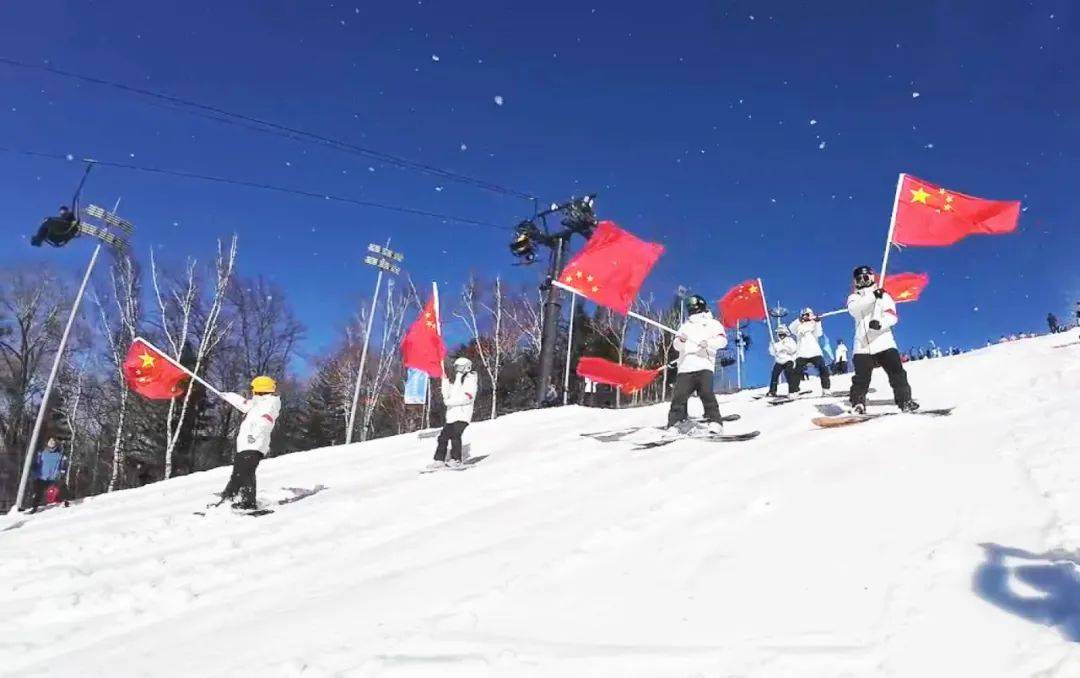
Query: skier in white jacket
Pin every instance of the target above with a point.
(807, 331)
(459, 397)
(253, 440)
(697, 341)
(840, 365)
(783, 351)
(875, 315)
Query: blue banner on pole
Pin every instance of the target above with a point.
(416, 384)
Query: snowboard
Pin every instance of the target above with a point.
(849, 419)
(615, 434)
(466, 464)
(721, 438)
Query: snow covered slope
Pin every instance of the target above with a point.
(907, 546)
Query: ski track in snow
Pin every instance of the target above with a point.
(850, 552)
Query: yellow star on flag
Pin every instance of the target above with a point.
(752, 289)
(595, 288)
(947, 207)
(579, 274)
(147, 360)
(919, 195)
(904, 295)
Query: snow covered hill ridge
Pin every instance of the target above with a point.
(905, 546)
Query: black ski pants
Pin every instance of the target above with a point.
(800, 370)
(890, 362)
(242, 480)
(788, 370)
(840, 367)
(450, 435)
(686, 384)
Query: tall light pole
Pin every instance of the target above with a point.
(386, 261)
(101, 231)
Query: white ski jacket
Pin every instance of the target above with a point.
(841, 353)
(862, 307)
(806, 336)
(783, 350)
(698, 340)
(260, 415)
(459, 396)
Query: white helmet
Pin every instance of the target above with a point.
(463, 365)
(807, 311)
(782, 331)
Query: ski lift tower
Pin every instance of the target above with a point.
(109, 230)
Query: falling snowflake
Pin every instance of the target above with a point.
(288, 164)
(131, 155)
(464, 147)
(498, 100)
(69, 157)
(915, 95)
(371, 169)
(813, 122)
(821, 146)
(438, 189)
(435, 58)
(751, 17)
(929, 146)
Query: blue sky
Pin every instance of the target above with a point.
(751, 138)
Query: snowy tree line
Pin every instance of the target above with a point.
(229, 327)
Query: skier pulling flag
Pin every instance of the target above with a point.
(459, 397)
(252, 440)
(874, 311)
(697, 341)
(807, 330)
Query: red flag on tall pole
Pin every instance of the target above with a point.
(612, 266)
(742, 302)
(929, 215)
(151, 374)
(629, 379)
(423, 346)
(906, 286)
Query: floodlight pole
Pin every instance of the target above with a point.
(363, 354)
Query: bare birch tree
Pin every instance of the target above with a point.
(181, 325)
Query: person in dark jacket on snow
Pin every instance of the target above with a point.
(48, 468)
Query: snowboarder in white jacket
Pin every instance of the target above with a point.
(875, 315)
(840, 366)
(253, 439)
(783, 351)
(459, 397)
(807, 331)
(697, 341)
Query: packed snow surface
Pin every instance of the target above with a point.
(906, 546)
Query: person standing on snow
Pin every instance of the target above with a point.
(807, 330)
(840, 366)
(874, 312)
(253, 440)
(783, 351)
(1052, 321)
(48, 468)
(697, 341)
(459, 396)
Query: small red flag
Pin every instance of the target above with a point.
(611, 267)
(628, 379)
(150, 374)
(742, 302)
(929, 215)
(906, 286)
(423, 346)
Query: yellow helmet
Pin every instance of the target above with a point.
(263, 384)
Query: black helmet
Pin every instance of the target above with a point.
(864, 277)
(696, 304)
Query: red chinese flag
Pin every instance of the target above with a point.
(628, 379)
(423, 346)
(611, 267)
(906, 286)
(929, 215)
(742, 302)
(151, 375)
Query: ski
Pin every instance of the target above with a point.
(466, 464)
(614, 434)
(720, 438)
(849, 419)
(298, 493)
